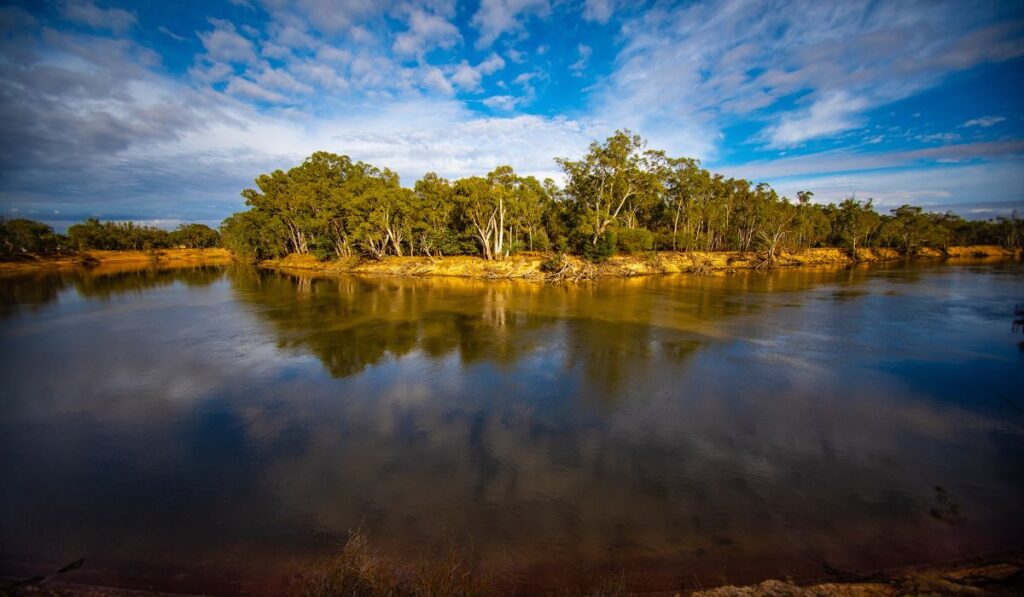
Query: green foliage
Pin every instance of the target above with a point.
(553, 264)
(253, 235)
(194, 236)
(602, 248)
(333, 207)
(22, 237)
(635, 240)
(117, 236)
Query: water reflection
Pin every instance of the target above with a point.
(34, 290)
(718, 428)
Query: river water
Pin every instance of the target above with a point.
(210, 429)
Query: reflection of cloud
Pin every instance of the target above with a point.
(629, 422)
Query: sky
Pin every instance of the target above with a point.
(162, 112)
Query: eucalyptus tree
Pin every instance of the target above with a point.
(478, 207)
(854, 222)
(194, 236)
(688, 190)
(608, 182)
(434, 202)
(908, 226)
(776, 227)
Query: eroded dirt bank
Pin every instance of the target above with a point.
(544, 266)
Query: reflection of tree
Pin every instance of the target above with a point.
(609, 329)
(29, 292)
(350, 323)
(107, 285)
(40, 288)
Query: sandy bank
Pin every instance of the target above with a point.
(543, 266)
(163, 257)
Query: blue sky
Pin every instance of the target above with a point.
(162, 112)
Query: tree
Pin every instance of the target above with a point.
(778, 222)
(908, 225)
(194, 236)
(854, 222)
(21, 236)
(608, 182)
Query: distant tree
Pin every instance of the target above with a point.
(855, 221)
(194, 236)
(21, 236)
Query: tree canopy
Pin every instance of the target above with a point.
(619, 196)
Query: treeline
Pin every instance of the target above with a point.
(620, 196)
(28, 237)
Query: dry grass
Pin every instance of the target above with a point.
(359, 570)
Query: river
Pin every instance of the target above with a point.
(210, 429)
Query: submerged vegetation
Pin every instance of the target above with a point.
(619, 197)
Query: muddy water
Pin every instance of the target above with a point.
(210, 429)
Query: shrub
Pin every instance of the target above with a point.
(541, 242)
(635, 240)
(554, 264)
(602, 250)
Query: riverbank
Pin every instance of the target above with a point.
(523, 266)
(359, 574)
(162, 257)
(547, 267)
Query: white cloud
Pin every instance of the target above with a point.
(938, 137)
(984, 121)
(246, 88)
(333, 55)
(426, 32)
(468, 78)
(170, 33)
(502, 102)
(497, 17)
(687, 71)
(938, 187)
(209, 73)
(598, 11)
(87, 13)
(225, 44)
(491, 65)
(327, 16)
(580, 65)
(282, 80)
(836, 161)
(828, 115)
(320, 74)
(435, 79)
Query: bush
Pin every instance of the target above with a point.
(635, 240)
(601, 251)
(554, 264)
(541, 242)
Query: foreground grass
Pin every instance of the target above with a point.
(358, 572)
